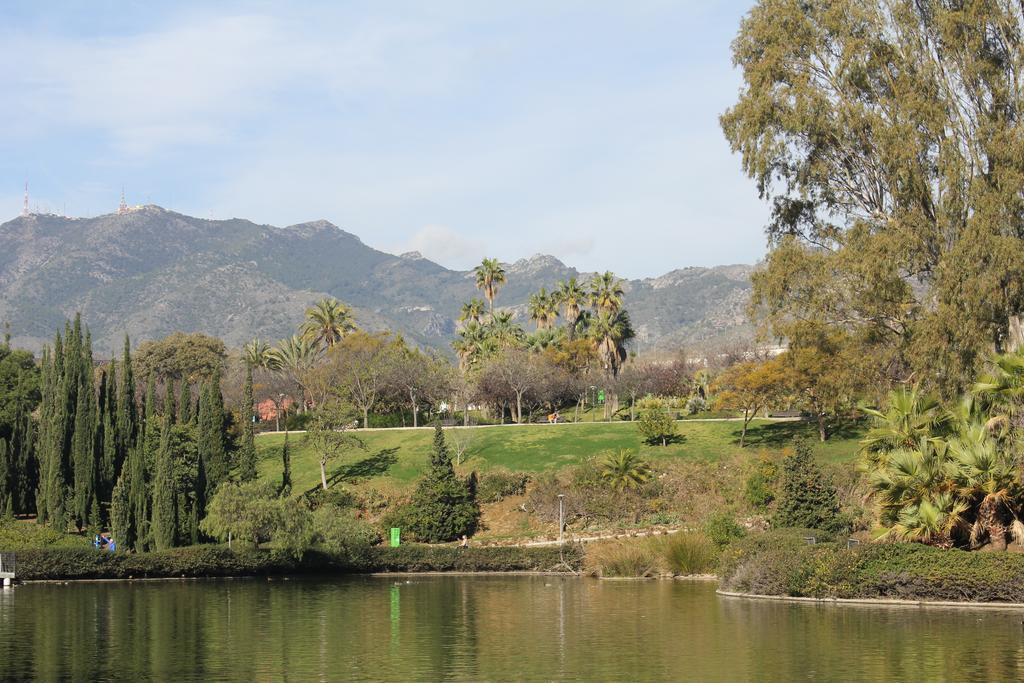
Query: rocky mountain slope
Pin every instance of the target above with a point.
(150, 272)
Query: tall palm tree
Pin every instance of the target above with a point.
(294, 356)
(327, 322)
(472, 311)
(258, 355)
(606, 293)
(471, 344)
(610, 332)
(489, 277)
(504, 331)
(543, 309)
(572, 297)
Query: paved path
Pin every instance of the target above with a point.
(557, 424)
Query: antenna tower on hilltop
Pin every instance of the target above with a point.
(24, 204)
(123, 207)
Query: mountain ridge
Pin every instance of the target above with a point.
(151, 271)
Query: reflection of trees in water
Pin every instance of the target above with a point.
(483, 628)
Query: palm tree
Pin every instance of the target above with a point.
(472, 311)
(606, 293)
(625, 470)
(257, 354)
(910, 416)
(907, 476)
(294, 357)
(543, 309)
(984, 476)
(572, 297)
(543, 339)
(610, 333)
(489, 277)
(327, 322)
(471, 344)
(504, 332)
(1001, 390)
(933, 521)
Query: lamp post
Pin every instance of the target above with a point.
(561, 518)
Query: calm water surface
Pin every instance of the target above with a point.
(438, 628)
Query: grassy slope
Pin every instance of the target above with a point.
(395, 458)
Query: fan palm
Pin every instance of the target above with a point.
(489, 277)
(933, 521)
(504, 332)
(910, 416)
(606, 293)
(610, 332)
(543, 339)
(984, 476)
(472, 311)
(294, 357)
(572, 297)
(471, 344)
(1001, 390)
(327, 322)
(908, 476)
(625, 470)
(543, 309)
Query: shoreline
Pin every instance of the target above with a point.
(873, 602)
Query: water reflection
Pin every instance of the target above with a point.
(482, 628)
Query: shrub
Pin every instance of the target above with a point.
(759, 488)
(636, 559)
(497, 485)
(723, 529)
(252, 512)
(695, 404)
(17, 535)
(340, 533)
(686, 553)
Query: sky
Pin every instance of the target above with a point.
(583, 129)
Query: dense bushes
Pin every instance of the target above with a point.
(215, 561)
(782, 563)
(497, 485)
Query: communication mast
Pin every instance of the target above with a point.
(24, 205)
(123, 207)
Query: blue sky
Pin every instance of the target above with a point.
(587, 130)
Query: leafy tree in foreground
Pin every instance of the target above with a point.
(329, 435)
(443, 507)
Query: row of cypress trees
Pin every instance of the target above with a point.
(103, 460)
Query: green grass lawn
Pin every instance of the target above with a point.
(393, 459)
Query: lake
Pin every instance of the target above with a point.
(501, 627)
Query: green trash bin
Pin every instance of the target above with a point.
(396, 537)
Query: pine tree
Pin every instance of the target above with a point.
(442, 507)
(165, 520)
(808, 499)
(286, 469)
(247, 451)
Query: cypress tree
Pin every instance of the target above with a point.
(138, 495)
(83, 440)
(50, 497)
(247, 451)
(286, 469)
(126, 424)
(107, 443)
(6, 490)
(150, 409)
(212, 449)
(122, 517)
(165, 521)
(185, 404)
(25, 477)
(170, 402)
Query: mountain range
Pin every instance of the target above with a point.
(151, 271)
